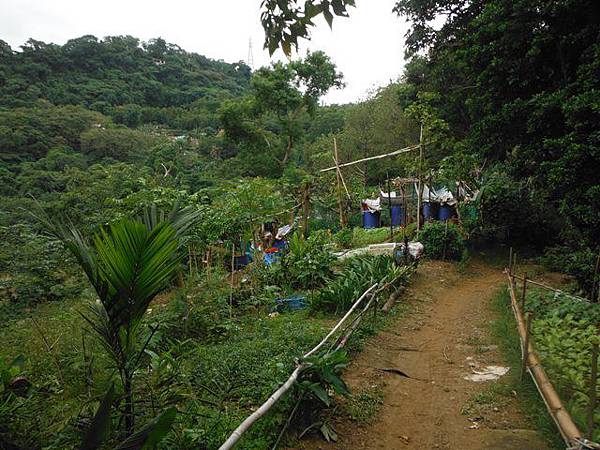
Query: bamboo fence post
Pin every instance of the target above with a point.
(337, 164)
(592, 393)
(513, 270)
(525, 352)
(524, 292)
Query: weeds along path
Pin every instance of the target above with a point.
(443, 337)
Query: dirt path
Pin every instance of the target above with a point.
(442, 339)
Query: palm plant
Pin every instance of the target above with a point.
(128, 263)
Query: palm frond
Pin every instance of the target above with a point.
(136, 263)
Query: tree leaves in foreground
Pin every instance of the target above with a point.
(285, 21)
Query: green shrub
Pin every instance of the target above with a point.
(343, 238)
(442, 240)
(510, 209)
(363, 237)
(35, 269)
(579, 262)
(357, 276)
(307, 265)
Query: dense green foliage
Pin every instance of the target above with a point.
(517, 84)
(442, 240)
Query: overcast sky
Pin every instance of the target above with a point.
(367, 47)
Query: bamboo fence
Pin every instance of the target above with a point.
(569, 431)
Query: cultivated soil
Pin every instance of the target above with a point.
(444, 336)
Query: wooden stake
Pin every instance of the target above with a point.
(231, 281)
(513, 271)
(339, 182)
(336, 160)
(390, 208)
(420, 189)
(510, 252)
(524, 292)
(592, 393)
(526, 345)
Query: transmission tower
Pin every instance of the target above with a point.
(250, 60)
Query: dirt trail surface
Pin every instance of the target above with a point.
(444, 337)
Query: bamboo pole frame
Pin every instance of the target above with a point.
(370, 158)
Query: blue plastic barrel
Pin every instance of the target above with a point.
(446, 212)
(240, 261)
(397, 216)
(430, 211)
(371, 219)
(293, 303)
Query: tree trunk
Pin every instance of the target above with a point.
(305, 208)
(129, 417)
(288, 152)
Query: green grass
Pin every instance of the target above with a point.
(362, 237)
(504, 330)
(363, 405)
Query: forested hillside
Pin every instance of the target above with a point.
(117, 70)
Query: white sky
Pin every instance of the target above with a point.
(367, 47)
